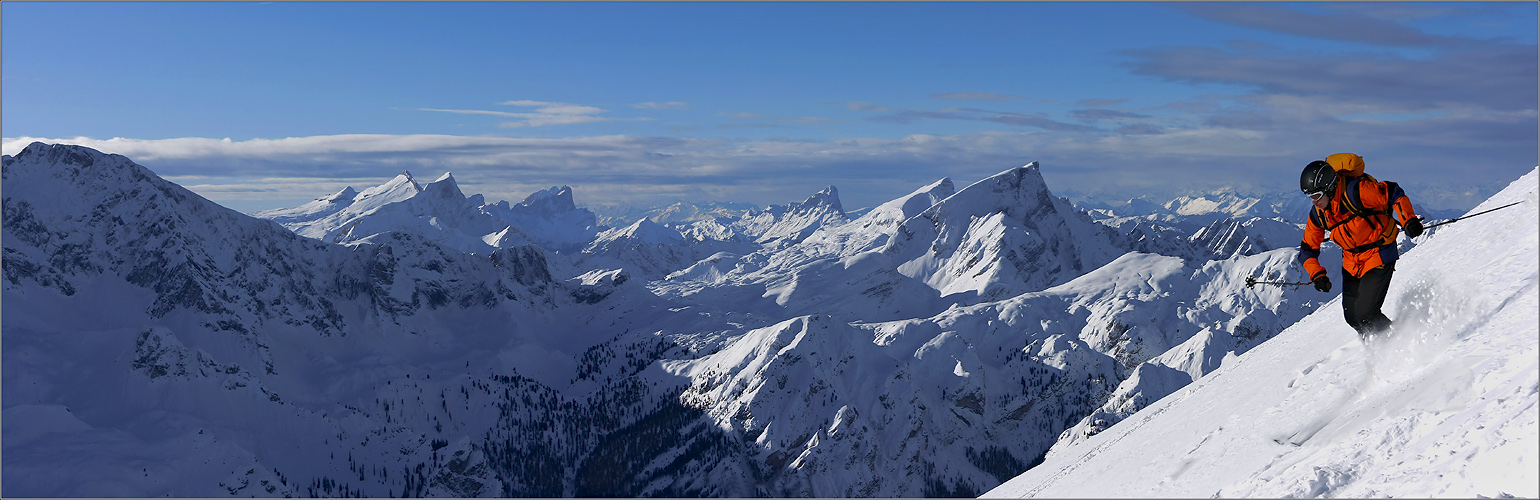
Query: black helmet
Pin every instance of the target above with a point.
(1318, 177)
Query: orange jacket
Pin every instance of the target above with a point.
(1368, 240)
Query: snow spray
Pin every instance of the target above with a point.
(1431, 315)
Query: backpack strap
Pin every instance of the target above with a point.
(1365, 248)
(1318, 218)
(1356, 209)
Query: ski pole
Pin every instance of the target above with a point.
(1471, 215)
(1252, 280)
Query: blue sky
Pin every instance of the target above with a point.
(267, 105)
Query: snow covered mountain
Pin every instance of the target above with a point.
(550, 218)
(651, 250)
(681, 213)
(905, 414)
(156, 343)
(440, 212)
(1000, 237)
(1446, 406)
(659, 243)
(785, 225)
(950, 404)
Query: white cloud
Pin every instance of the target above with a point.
(479, 112)
(866, 106)
(555, 108)
(661, 105)
(273, 173)
(974, 96)
(545, 114)
(544, 120)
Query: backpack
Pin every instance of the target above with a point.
(1346, 164)
(1350, 171)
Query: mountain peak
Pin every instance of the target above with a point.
(398, 188)
(1002, 235)
(346, 194)
(649, 231)
(554, 199)
(65, 154)
(828, 197)
(444, 187)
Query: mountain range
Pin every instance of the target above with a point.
(408, 339)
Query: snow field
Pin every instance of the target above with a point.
(1446, 406)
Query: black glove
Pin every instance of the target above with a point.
(1413, 227)
(1323, 284)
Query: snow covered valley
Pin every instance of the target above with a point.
(407, 339)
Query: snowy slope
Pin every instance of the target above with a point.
(650, 250)
(655, 250)
(326, 217)
(681, 213)
(999, 237)
(838, 268)
(784, 225)
(1446, 406)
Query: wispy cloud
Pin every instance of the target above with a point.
(1402, 12)
(866, 106)
(1101, 103)
(545, 114)
(1339, 26)
(1493, 77)
(1142, 158)
(762, 121)
(1454, 86)
(1458, 102)
(1096, 115)
(974, 96)
(1140, 129)
(661, 105)
(1033, 120)
(890, 115)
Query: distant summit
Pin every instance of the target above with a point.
(1000, 236)
(785, 225)
(443, 213)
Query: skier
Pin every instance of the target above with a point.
(1356, 209)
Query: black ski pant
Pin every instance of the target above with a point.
(1362, 298)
